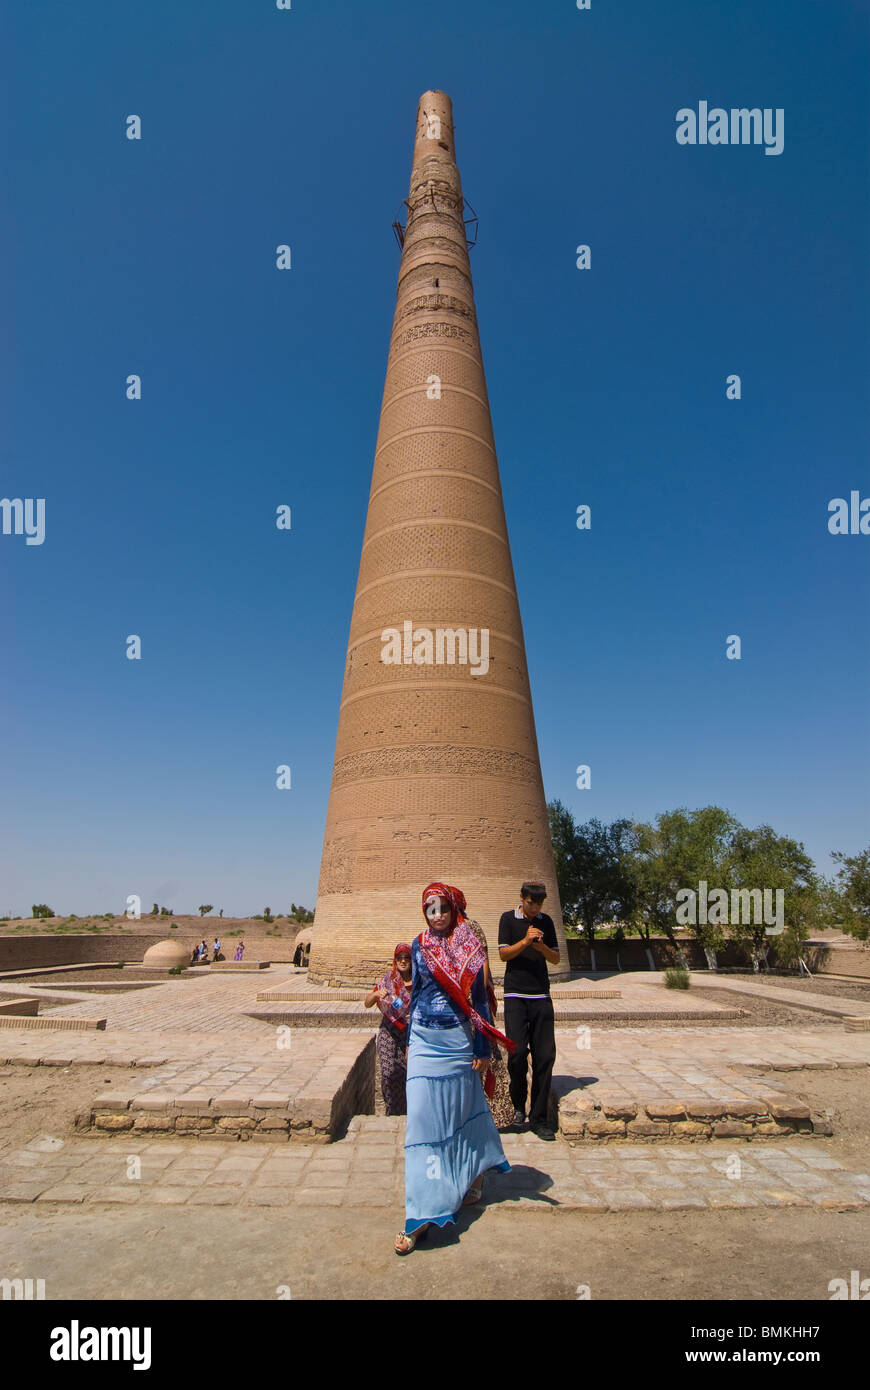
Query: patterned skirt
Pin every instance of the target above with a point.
(501, 1105)
(391, 1056)
(450, 1138)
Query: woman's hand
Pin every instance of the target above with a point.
(481, 1064)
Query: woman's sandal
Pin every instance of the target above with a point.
(411, 1238)
(473, 1195)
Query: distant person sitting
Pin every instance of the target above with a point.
(217, 949)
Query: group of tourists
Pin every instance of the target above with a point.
(437, 1043)
(200, 952)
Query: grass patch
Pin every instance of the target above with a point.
(677, 978)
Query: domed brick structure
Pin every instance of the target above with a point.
(164, 955)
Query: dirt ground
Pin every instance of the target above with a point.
(319, 1253)
(761, 1013)
(44, 1100)
(819, 984)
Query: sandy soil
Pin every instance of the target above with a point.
(819, 984)
(764, 1013)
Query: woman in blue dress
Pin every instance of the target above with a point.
(450, 1137)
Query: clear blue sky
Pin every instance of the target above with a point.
(261, 127)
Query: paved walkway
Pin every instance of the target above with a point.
(366, 1169)
(708, 1063)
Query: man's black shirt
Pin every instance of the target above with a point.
(527, 973)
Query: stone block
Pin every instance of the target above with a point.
(193, 1124)
(649, 1129)
(113, 1100)
(605, 1129)
(572, 1126)
(114, 1121)
(162, 1123)
(732, 1129)
(705, 1109)
(275, 1123)
(619, 1110)
(822, 1125)
(666, 1110)
(746, 1110)
(690, 1129)
(788, 1109)
(236, 1123)
(770, 1129)
(152, 1102)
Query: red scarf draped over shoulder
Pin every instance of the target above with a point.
(455, 959)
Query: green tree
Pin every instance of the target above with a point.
(591, 869)
(204, 909)
(41, 910)
(762, 860)
(852, 900)
(679, 850)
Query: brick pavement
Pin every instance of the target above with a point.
(366, 1169)
(207, 1055)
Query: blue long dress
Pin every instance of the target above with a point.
(450, 1137)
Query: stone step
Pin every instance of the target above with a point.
(350, 1014)
(19, 1007)
(51, 1021)
(584, 1119)
(240, 965)
(284, 995)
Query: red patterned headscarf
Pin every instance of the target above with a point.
(396, 1008)
(455, 958)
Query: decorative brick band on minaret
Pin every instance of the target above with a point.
(436, 764)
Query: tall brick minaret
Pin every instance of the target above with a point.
(436, 763)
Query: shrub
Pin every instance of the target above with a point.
(677, 978)
(176, 969)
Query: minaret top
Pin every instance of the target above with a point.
(434, 172)
(434, 137)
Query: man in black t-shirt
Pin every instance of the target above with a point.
(526, 941)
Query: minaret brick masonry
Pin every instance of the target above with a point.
(436, 770)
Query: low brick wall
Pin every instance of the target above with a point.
(579, 1120)
(826, 960)
(98, 948)
(319, 1117)
(20, 1008)
(839, 960)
